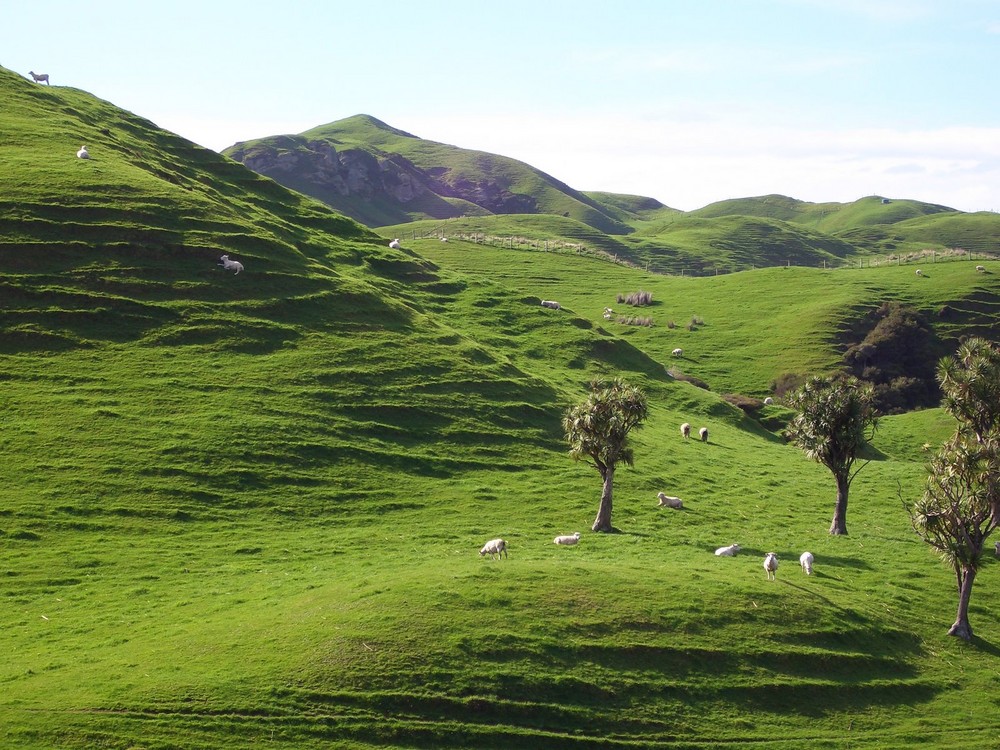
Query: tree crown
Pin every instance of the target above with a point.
(598, 427)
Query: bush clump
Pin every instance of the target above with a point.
(630, 320)
(636, 299)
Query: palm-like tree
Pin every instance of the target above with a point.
(960, 506)
(597, 431)
(836, 419)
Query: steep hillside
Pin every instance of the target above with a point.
(381, 175)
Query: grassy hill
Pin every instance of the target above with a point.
(245, 510)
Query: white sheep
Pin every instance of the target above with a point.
(919, 272)
(395, 244)
(568, 539)
(668, 501)
(806, 560)
(230, 265)
(768, 401)
(729, 551)
(703, 434)
(678, 352)
(771, 565)
(39, 77)
(981, 269)
(83, 153)
(494, 548)
(685, 430)
(551, 304)
(444, 239)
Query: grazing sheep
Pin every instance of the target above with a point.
(568, 539)
(729, 551)
(395, 244)
(703, 434)
(771, 565)
(996, 549)
(83, 153)
(685, 430)
(667, 501)
(678, 352)
(768, 401)
(444, 239)
(494, 548)
(981, 269)
(230, 265)
(806, 560)
(39, 77)
(919, 272)
(551, 304)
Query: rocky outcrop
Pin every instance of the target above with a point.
(318, 168)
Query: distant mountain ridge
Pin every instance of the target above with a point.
(385, 177)
(380, 175)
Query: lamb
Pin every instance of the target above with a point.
(568, 539)
(230, 265)
(703, 434)
(919, 272)
(678, 352)
(729, 551)
(771, 565)
(494, 548)
(981, 269)
(551, 304)
(83, 153)
(685, 430)
(768, 401)
(39, 77)
(667, 501)
(395, 244)
(806, 561)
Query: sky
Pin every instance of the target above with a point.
(686, 101)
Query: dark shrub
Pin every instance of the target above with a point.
(749, 404)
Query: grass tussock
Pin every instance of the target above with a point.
(636, 299)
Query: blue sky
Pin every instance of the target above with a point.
(685, 101)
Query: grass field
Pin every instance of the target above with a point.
(245, 511)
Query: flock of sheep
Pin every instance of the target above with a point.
(497, 548)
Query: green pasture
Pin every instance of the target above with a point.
(245, 510)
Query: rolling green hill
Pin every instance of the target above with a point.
(245, 510)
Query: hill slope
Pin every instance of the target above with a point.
(245, 510)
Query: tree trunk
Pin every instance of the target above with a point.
(839, 524)
(603, 520)
(962, 628)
